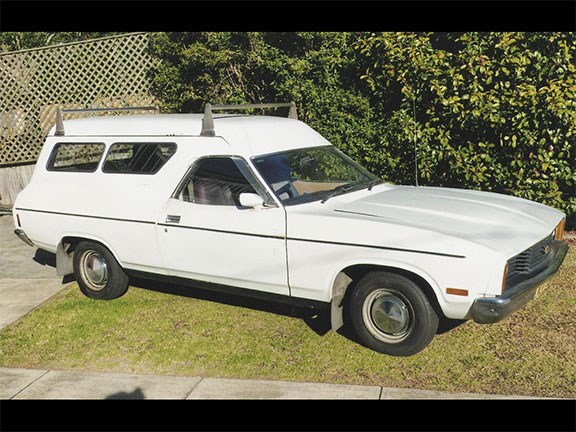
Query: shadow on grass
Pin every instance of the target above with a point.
(318, 319)
(447, 324)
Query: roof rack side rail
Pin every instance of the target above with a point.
(59, 113)
(208, 120)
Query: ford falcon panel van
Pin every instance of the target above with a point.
(266, 206)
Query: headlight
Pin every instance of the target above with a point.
(559, 231)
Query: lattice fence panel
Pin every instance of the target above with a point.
(106, 72)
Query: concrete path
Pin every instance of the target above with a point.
(27, 280)
(50, 384)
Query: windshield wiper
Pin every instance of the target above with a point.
(373, 183)
(339, 190)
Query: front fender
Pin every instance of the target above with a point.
(340, 282)
(388, 264)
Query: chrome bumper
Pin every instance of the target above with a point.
(20, 233)
(493, 309)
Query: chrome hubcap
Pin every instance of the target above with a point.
(95, 270)
(388, 315)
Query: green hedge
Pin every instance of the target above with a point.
(490, 111)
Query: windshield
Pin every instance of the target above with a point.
(311, 174)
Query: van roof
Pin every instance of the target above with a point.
(251, 135)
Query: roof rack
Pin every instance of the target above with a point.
(208, 120)
(60, 124)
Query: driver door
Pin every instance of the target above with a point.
(204, 232)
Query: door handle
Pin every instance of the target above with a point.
(172, 219)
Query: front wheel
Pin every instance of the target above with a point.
(97, 272)
(392, 315)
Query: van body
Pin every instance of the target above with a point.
(267, 206)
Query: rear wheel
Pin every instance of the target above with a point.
(392, 315)
(97, 272)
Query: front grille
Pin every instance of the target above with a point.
(530, 262)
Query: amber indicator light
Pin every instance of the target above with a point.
(457, 291)
(504, 277)
(560, 230)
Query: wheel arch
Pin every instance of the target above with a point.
(65, 252)
(351, 274)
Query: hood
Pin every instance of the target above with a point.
(502, 223)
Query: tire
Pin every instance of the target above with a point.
(97, 272)
(392, 315)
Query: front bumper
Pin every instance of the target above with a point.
(490, 310)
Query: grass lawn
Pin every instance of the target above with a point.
(194, 333)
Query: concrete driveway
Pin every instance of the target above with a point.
(26, 277)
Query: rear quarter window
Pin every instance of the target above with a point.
(75, 157)
(138, 158)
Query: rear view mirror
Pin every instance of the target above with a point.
(251, 200)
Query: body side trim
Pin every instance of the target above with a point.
(85, 216)
(251, 234)
(377, 247)
(222, 231)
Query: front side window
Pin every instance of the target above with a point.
(311, 174)
(138, 158)
(216, 181)
(75, 157)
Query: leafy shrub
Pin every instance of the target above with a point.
(491, 111)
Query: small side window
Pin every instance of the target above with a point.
(75, 157)
(216, 181)
(138, 158)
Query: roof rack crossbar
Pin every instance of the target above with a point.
(59, 112)
(208, 120)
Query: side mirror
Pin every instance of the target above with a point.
(251, 200)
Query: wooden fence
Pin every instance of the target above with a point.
(106, 72)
